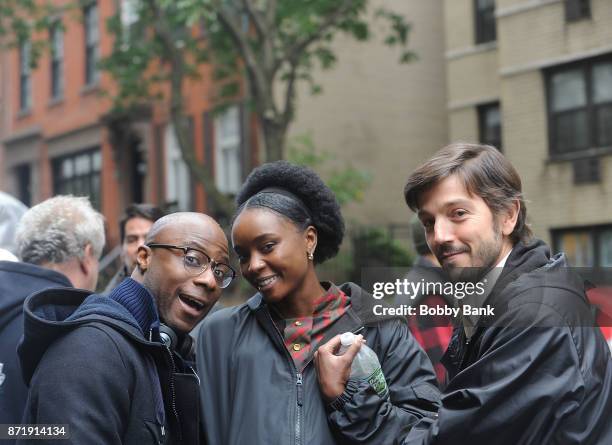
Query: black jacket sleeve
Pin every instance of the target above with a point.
(82, 382)
(506, 397)
(360, 415)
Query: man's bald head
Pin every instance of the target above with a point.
(180, 218)
(164, 267)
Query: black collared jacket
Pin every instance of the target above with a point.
(537, 372)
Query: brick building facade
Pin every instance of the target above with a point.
(535, 77)
(60, 137)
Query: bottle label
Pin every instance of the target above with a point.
(378, 382)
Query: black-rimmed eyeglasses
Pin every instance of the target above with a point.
(196, 262)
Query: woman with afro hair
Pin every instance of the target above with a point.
(259, 383)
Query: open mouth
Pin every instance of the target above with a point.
(191, 302)
(263, 283)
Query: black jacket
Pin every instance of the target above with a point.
(537, 372)
(17, 281)
(252, 392)
(89, 365)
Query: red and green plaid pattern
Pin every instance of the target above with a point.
(303, 335)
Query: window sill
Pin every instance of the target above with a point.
(571, 21)
(471, 50)
(582, 154)
(22, 114)
(90, 88)
(56, 101)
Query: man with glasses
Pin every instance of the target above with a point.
(99, 365)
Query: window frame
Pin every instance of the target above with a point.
(25, 76)
(91, 43)
(56, 69)
(227, 146)
(586, 67)
(576, 10)
(595, 233)
(481, 33)
(59, 181)
(23, 179)
(482, 110)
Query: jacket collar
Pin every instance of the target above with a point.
(359, 315)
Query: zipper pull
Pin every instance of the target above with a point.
(163, 430)
(299, 382)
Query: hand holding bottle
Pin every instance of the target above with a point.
(334, 370)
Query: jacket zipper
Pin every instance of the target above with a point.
(298, 383)
(173, 394)
(300, 402)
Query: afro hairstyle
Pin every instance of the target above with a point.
(311, 190)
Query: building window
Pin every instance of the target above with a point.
(25, 76)
(23, 174)
(178, 180)
(92, 42)
(79, 174)
(585, 246)
(57, 60)
(490, 125)
(485, 21)
(580, 106)
(129, 12)
(577, 10)
(129, 19)
(228, 160)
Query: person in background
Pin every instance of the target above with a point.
(133, 228)
(59, 243)
(114, 367)
(11, 211)
(256, 360)
(432, 332)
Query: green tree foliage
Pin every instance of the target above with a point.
(259, 50)
(347, 182)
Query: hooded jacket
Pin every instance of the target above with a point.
(537, 372)
(90, 365)
(17, 281)
(252, 392)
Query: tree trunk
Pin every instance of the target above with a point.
(275, 136)
(218, 206)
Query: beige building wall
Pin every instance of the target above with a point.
(382, 117)
(471, 70)
(532, 35)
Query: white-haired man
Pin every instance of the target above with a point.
(59, 242)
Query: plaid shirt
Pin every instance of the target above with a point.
(304, 334)
(433, 334)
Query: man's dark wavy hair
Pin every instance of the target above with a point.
(145, 211)
(484, 172)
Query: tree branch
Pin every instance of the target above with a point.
(265, 32)
(262, 89)
(260, 26)
(271, 14)
(221, 205)
(298, 48)
(287, 113)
